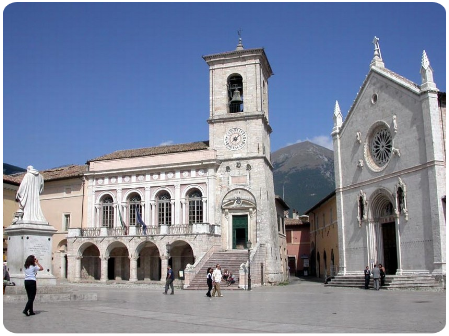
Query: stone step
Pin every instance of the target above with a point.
(230, 260)
(58, 297)
(391, 281)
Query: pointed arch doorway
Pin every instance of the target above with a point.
(390, 256)
(386, 232)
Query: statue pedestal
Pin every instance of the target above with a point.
(25, 238)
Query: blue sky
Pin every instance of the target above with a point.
(81, 80)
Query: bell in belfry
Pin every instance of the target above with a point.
(236, 99)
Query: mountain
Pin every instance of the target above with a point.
(10, 169)
(303, 174)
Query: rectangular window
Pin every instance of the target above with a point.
(66, 222)
(289, 236)
(195, 211)
(108, 216)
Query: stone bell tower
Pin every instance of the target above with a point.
(239, 131)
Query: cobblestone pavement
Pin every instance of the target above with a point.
(300, 307)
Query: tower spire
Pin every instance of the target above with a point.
(377, 59)
(338, 118)
(426, 73)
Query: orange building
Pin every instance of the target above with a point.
(298, 244)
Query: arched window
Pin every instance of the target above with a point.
(107, 211)
(195, 207)
(164, 208)
(134, 203)
(235, 93)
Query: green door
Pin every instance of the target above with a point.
(239, 231)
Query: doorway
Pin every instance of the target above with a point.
(389, 245)
(239, 232)
(111, 268)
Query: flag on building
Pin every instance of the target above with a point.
(121, 219)
(140, 221)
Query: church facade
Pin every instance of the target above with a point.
(179, 204)
(390, 163)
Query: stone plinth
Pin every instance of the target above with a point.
(24, 239)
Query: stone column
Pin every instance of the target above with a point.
(204, 210)
(78, 268)
(63, 273)
(164, 264)
(183, 211)
(133, 268)
(104, 269)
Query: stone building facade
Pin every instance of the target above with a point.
(390, 163)
(324, 249)
(150, 207)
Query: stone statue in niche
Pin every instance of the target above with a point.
(395, 124)
(362, 205)
(27, 195)
(401, 198)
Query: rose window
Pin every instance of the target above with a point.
(381, 146)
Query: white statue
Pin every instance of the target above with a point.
(28, 196)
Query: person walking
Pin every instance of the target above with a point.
(382, 275)
(376, 277)
(367, 277)
(216, 278)
(31, 266)
(209, 281)
(169, 280)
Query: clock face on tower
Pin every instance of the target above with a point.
(235, 138)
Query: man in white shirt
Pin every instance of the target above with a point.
(216, 278)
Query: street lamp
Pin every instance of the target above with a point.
(167, 246)
(248, 244)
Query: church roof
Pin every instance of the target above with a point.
(169, 149)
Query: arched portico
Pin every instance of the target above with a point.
(88, 265)
(117, 256)
(181, 254)
(147, 263)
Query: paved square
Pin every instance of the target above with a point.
(300, 307)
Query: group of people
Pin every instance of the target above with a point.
(378, 273)
(214, 277)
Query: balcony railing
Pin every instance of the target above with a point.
(176, 229)
(90, 232)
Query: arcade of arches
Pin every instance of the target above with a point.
(146, 262)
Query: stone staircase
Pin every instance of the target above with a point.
(230, 260)
(391, 281)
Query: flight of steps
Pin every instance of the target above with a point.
(230, 260)
(391, 281)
